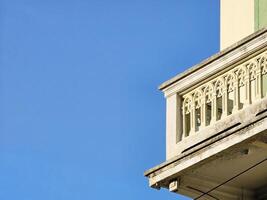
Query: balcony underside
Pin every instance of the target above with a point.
(235, 173)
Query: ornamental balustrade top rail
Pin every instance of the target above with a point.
(224, 95)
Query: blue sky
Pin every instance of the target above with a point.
(80, 113)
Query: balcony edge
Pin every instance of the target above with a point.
(209, 60)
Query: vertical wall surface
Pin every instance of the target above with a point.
(171, 124)
(236, 20)
(240, 18)
(260, 14)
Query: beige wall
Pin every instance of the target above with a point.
(237, 21)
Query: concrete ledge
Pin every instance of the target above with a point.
(256, 111)
(165, 171)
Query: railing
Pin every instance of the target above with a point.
(225, 94)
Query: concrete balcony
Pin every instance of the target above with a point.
(216, 121)
(223, 101)
(214, 95)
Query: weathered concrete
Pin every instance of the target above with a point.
(246, 118)
(208, 72)
(211, 156)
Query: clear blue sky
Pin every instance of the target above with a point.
(80, 113)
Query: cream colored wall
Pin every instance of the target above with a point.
(237, 21)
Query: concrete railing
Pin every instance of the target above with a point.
(224, 95)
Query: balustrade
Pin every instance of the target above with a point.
(225, 94)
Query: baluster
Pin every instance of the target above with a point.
(203, 108)
(236, 96)
(225, 101)
(193, 119)
(214, 108)
(184, 123)
(248, 89)
(258, 82)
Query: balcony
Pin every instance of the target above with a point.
(216, 124)
(225, 95)
(214, 95)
